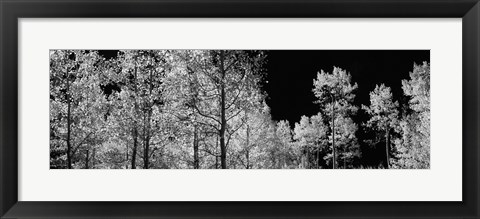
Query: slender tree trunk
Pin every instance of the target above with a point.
(196, 162)
(135, 130)
(248, 159)
(69, 123)
(147, 127)
(344, 157)
(86, 159)
(126, 156)
(387, 147)
(93, 158)
(216, 152)
(223, 122)
(146, 161)
(334, 158)
(145, 144)
(145, 153)
(134, 150)
(318, 157)
(247, 154)
(223, 150)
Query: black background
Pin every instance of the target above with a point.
(291, 74)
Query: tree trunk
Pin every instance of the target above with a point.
(333, 134)
(69, 122)
(223, 151)
(135, 131)
(126, 153)
(387, 147)
(134, 150)
(146, 125)
(86, 159)
(247, 154)
(196, 162)
(248, 159)
(146, 145)
(216, 152)
(146, 154)
(223, 122)
(93, 159)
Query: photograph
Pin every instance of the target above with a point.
(224, 109)
(239, 109)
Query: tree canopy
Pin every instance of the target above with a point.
(207, 109)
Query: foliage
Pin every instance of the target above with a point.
(384, 114)
(76, 107)
(414, 145)
(335, 94)
(206, 109)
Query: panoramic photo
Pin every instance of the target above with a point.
(239, 109)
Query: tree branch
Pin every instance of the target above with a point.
(79, 144)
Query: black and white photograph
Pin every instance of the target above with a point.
(239, 109)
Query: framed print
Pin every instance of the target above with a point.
(239, 109)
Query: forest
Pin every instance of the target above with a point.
(208, 109)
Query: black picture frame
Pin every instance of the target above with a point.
(12, 10)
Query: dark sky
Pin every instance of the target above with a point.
(291, 73)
